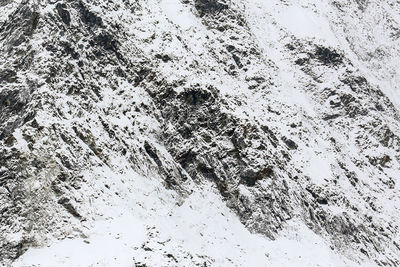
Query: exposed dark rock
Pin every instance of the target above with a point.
(236, 58)
(328, 56)
(384, 160)
(291, 47)
(210, 6)
(65, 202)
(152, 153)
(106, 41)
(88, 17)
(230, 48)
(69, 50)
(12, 103)
(290, 143)
(66, 162)
(250, 176)
(164, 58)
(186, 158)
(88, 138)
(331, 117)
(362, 4)
(316, 194)
(33, 23)
(302, 61)
(20, 26)
(195, 96)
(10, 141)
(207, 172)
(387, 137)
(141, 75)
(95, 72)
(271, 136)
(356, 83)
(63, 13)
(169, 255)
(8, 76)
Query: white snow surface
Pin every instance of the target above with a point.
(143, 224)
(135, 220)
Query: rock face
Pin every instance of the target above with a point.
(289, 121)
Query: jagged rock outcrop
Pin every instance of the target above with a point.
(286, 127)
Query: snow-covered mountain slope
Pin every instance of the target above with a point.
(211, 133)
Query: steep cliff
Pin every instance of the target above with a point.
(205, 132)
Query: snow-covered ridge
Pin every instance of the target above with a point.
(216, 133)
